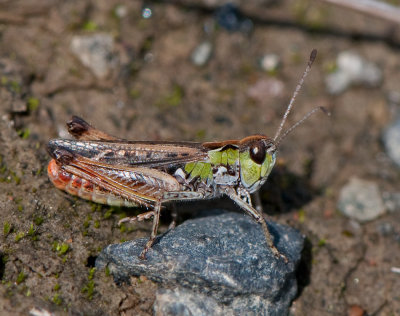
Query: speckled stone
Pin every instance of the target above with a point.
(218, 263)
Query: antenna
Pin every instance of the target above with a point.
(313, 55)
(305, 117)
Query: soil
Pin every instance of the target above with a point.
(49, 239)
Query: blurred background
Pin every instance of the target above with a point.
(202, 71)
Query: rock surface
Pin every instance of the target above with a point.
(218, 263)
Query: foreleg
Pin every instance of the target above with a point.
(257, 216)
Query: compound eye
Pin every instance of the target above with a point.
(257, 152)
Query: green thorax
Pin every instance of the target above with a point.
(235, 163)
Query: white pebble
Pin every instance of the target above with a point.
(361, 200)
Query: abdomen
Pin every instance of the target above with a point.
(83, 188)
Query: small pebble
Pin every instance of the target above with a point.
(270, 62)
(40, 312)
(361, 200)
(352, 69)
(120, 11)
(202, 53)
(391, 141)
(395, 269)
(95, 52)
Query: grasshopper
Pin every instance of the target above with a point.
(109, 170)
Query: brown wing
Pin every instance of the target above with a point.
(138, 184)
(125, 153)
(101, 147)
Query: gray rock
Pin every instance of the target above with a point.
(95, 52)
(352, 69)
(391, 140)
(215, 265)
(361, 200)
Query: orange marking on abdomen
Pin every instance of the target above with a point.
(59, 177)
(83, 188)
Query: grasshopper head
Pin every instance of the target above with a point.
(257, 158)
(257, 153)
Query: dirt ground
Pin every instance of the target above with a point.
(153, 91)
